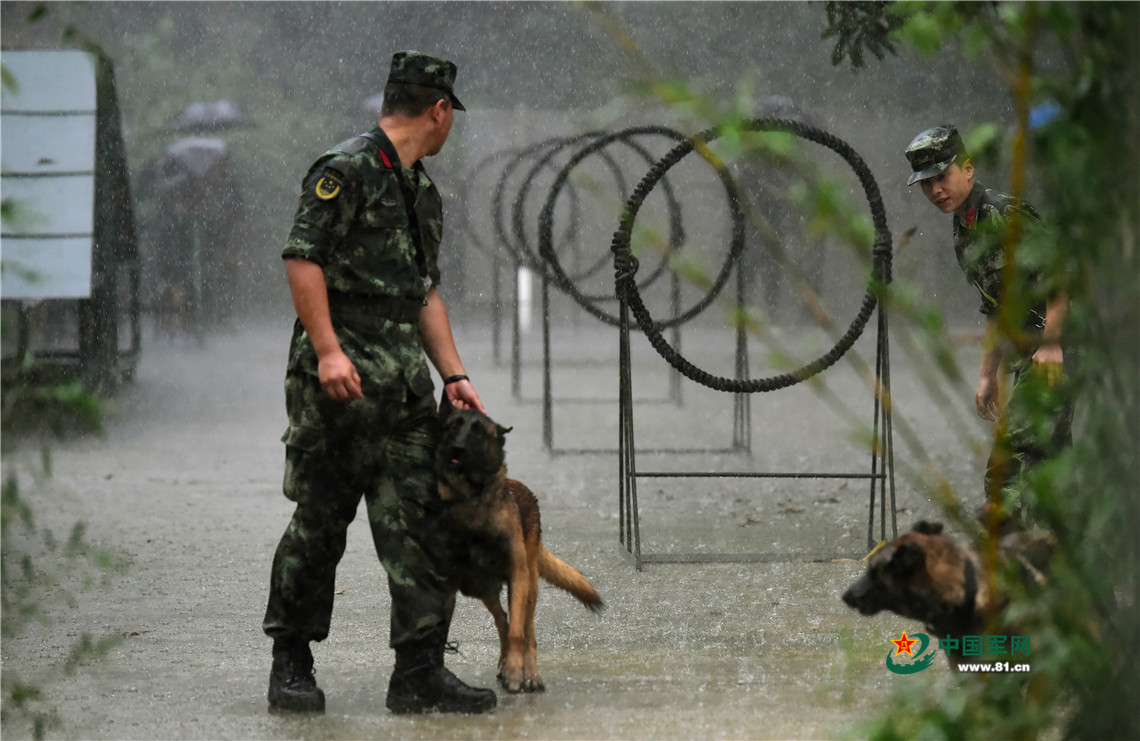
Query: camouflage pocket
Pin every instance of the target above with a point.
(307, 439)
(303, 446)
(419, 380)
(386, 213)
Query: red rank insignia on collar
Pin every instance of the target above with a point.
(971, 216)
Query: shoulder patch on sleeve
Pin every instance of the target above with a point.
(329, 185)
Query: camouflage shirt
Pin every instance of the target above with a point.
(978, 237)
(351, 220)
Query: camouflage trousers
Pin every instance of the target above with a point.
(383, 451)
(1038, 426)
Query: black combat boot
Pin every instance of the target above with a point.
(420, 683)
(292, 685)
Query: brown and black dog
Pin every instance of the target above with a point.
(926, 575)
(497, 536)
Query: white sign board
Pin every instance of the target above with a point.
(47, 174)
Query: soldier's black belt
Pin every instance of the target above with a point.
(368, 311)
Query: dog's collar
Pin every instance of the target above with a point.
(965, 611)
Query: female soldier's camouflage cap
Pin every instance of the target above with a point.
(933, 151)
(416, 68)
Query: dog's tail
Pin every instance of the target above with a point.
(564, 576)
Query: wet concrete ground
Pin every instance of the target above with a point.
(184, 487)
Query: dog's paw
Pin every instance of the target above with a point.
(511, 674)
(533, 684)
(511, 682)
(520, 683)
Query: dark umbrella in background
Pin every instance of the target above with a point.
(189, 159)
(210, 117)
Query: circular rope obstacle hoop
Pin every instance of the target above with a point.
(676, 230)
(547, 256)
(625, 264)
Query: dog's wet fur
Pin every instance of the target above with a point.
(926, 575)
(497, 540)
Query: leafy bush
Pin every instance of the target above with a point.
(1085, 624)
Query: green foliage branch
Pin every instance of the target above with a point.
(38, 571)
(1084, 624)
(856, 26)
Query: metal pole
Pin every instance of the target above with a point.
(888, 429)
(496, 311)
(197, 309)
(516, 340)
(547, 401)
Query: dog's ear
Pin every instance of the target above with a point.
(907, 559)
(446, 408)
(928, 528)
(502, 430)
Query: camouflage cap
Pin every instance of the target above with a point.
(933, 151)
(415, 68)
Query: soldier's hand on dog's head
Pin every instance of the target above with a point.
(463, 396)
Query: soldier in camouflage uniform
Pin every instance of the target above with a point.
(1037, 428)
(361, 260)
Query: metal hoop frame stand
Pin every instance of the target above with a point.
(513, 240)
(881, 475)
(552, 271)
(673, 395)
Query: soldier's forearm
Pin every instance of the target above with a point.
(1055, 312)
(311, 301)
(991, 350)
(439, 343)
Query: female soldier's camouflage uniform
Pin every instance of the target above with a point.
(978, 237)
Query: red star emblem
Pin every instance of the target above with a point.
(904, 644)
(971, 216)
